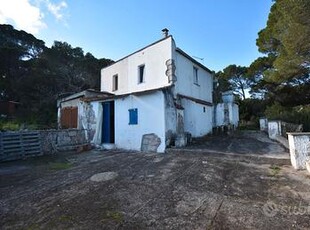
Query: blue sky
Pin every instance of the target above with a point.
(222, 32)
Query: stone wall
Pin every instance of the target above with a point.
(62, 140)
(281, 128)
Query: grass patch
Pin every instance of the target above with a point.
(33, 227)
(59, 165)
(65, 218)
(113, 216)
(9, 125)
(275, 169)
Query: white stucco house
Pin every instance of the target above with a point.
(153, 98)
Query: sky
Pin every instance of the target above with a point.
(218, 32)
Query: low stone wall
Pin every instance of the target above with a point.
(281, 128)
(290, 128)
(299, 149)
(23, 144)
(62, 140)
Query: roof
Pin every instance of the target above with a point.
(199, 101)
(89, 93)
(111, 97)
(152, 44)
(193, 60)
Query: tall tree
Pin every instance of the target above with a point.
(35, 75)
(238, 79)
(17, 50)
(287, 37)
(260, 88)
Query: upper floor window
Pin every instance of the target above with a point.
(115, 83)
(196, 77)
(141, 73)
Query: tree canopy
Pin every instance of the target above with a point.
(287, 38)
(36, 75)
(238, 79)
(280, 78)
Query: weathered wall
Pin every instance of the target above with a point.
(185, 80)
(87, 118)
(274, 129)
(234, 114)
(62, 140)
(226, 114)
(197, 118)
(280, 128)
(151, 119)
(299, 144)
(170, 117)
(154, 58)
(263, 124)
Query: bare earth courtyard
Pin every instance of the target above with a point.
(242, 181)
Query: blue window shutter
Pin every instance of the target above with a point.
(133, 116)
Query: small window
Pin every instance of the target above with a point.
(115, 83)
(195, 72)
(204, 109)
(141, 73)
(133, 116)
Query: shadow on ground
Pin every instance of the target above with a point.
(178, 190)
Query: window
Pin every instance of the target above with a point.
(115, 83)
(133, 116)
(141, 73)
(195, 72)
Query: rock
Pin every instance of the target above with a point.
(150, 142)
(105, 176)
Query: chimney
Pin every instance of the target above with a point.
(165, 32)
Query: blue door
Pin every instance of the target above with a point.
(108, 122)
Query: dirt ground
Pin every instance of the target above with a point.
(242, 181)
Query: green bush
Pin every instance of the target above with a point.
(296, 115)
(9, 125)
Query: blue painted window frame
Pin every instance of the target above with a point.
(133, 116)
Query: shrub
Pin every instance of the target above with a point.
(296, 115)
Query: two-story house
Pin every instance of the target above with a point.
(151, 99)
(158, 90)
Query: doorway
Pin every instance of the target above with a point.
(108, 125)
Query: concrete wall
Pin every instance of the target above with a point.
(151, 119)
(197, 118)
(226, 114)
(185, 79)
(299, 144)
(154, 58)
(263, 124)
(274, 129)
(233, 114)
(280, 128)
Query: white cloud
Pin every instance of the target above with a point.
(23, 14)
(56, 9)
(28, 14)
